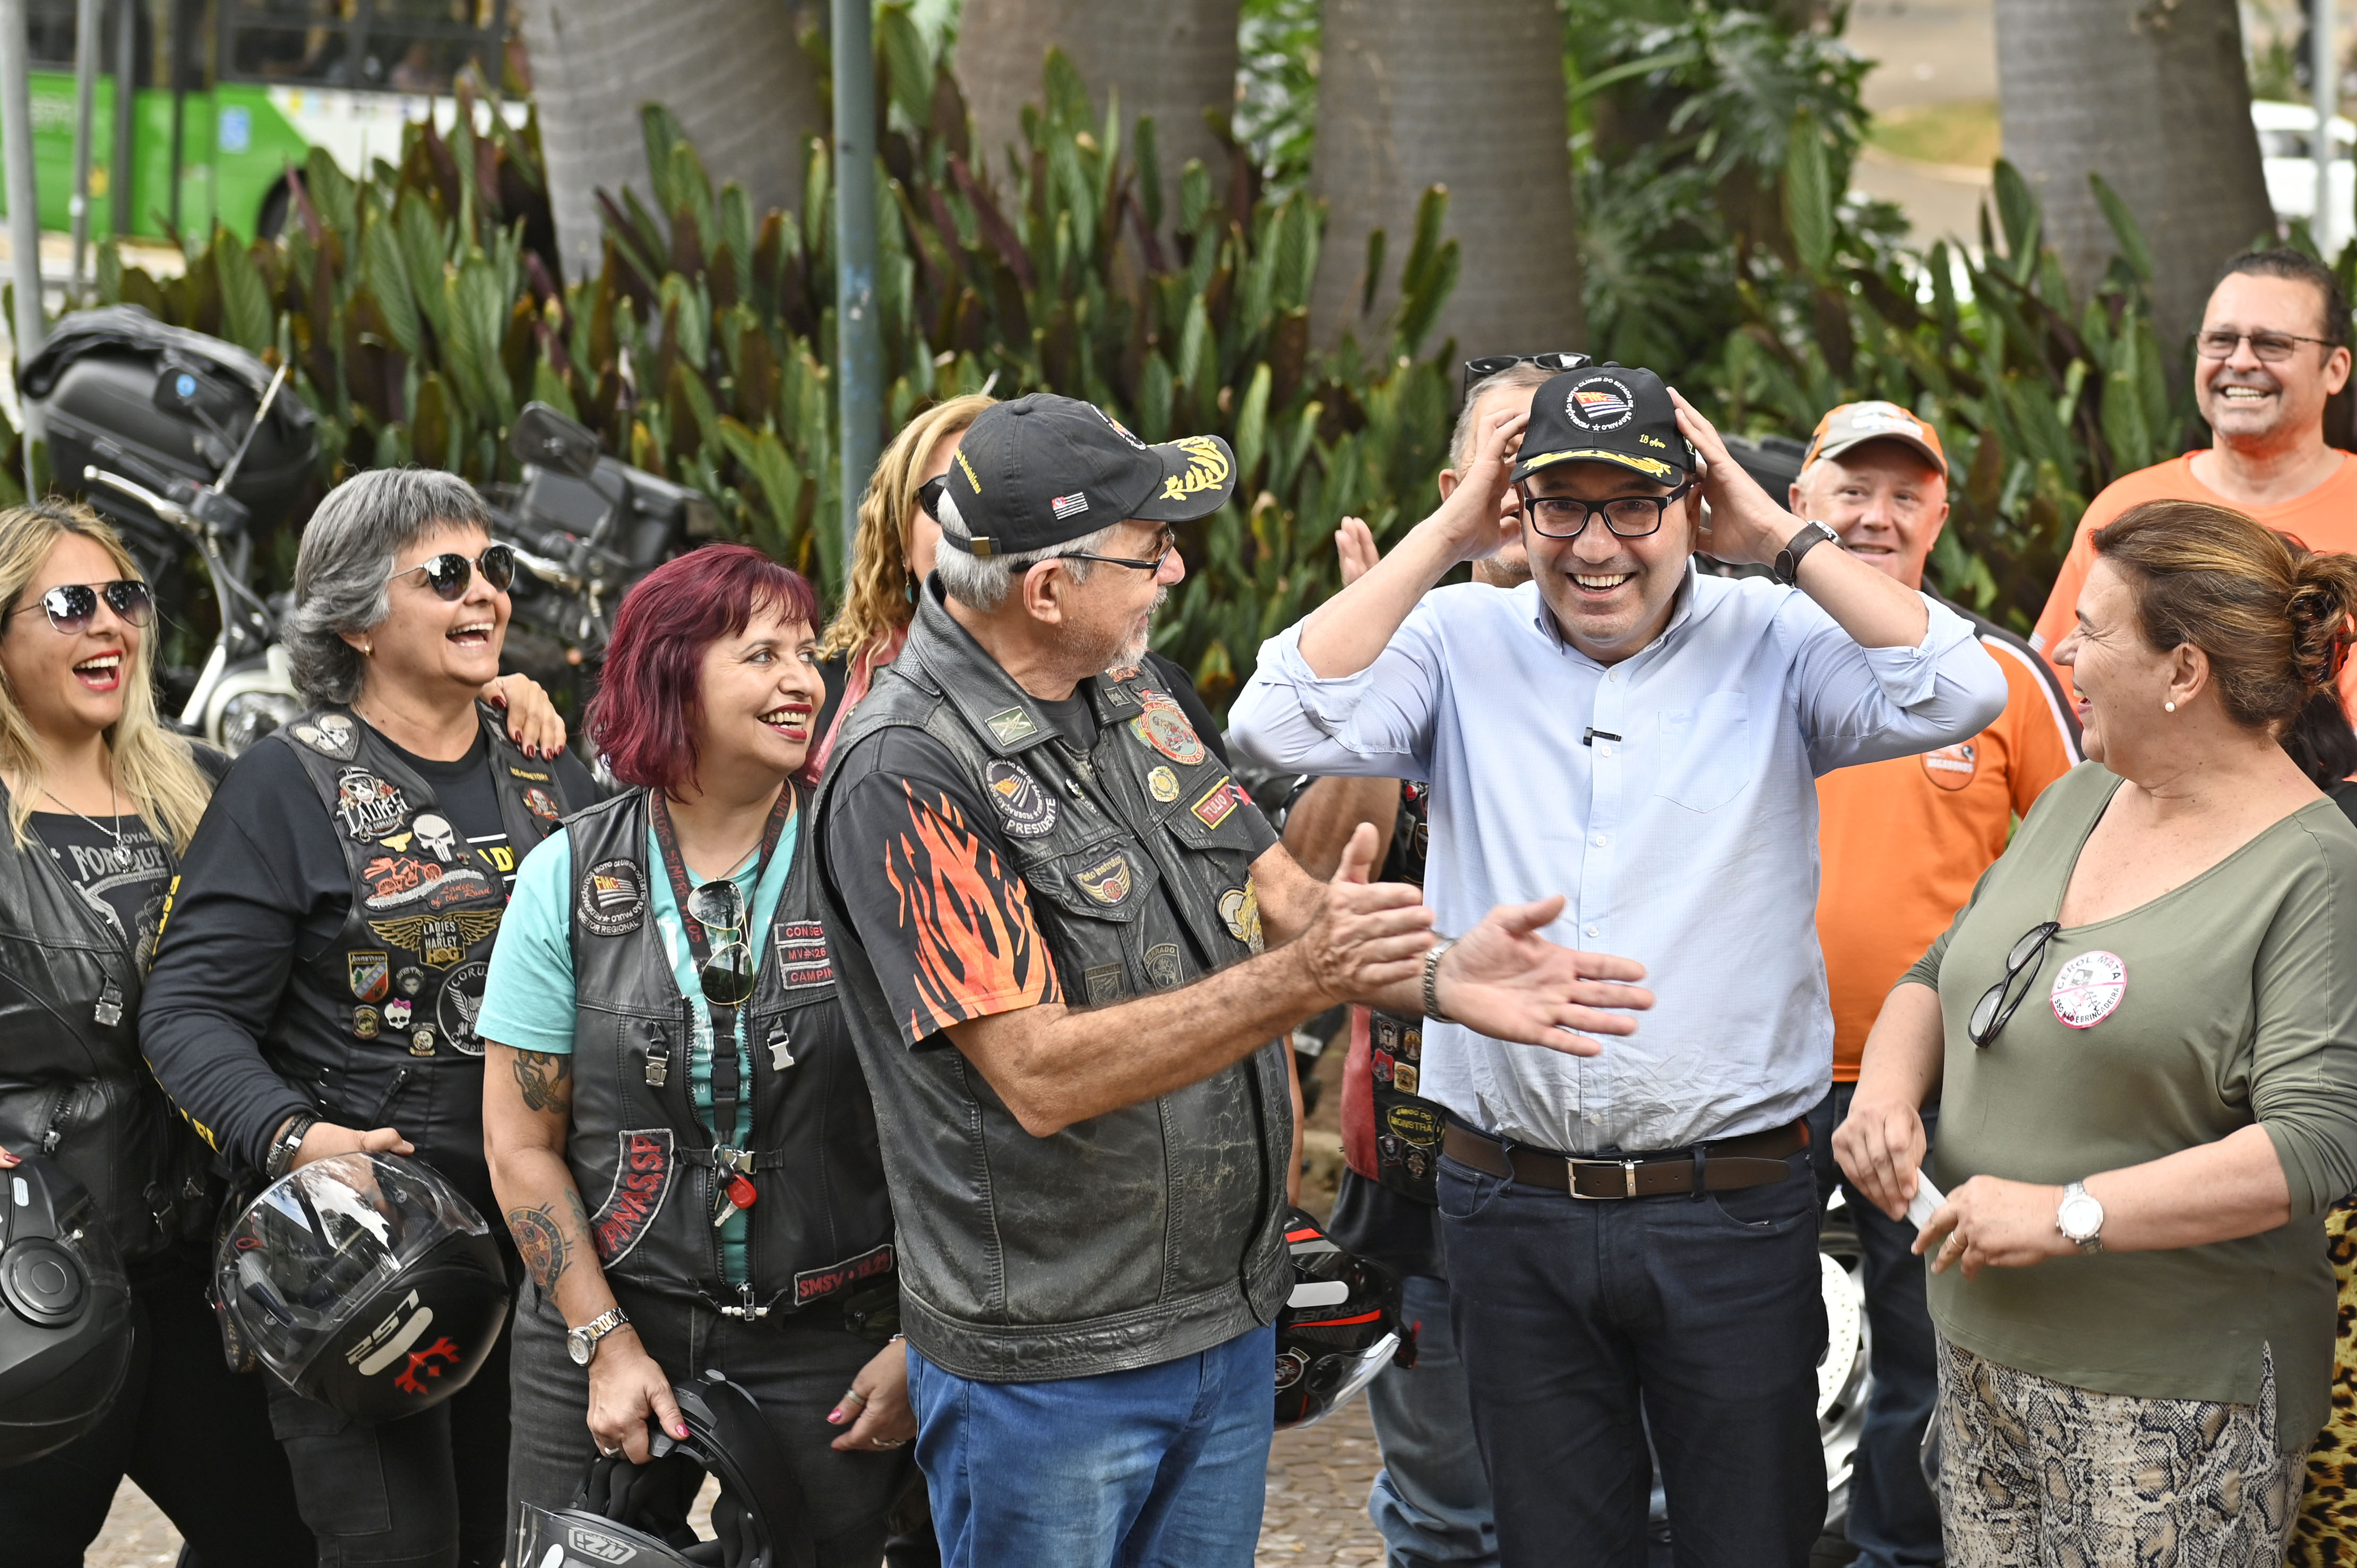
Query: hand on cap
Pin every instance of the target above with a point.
(1470, 517)
(1745, 525)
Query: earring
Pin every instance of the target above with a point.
(2168, 707)
(369, 648)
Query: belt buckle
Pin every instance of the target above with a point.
(1571, 1175)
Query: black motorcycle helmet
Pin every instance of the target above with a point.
(1340, 1327)
(637, 1514)
(364, 1282)
(65, 1313)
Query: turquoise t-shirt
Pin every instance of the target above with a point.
(528, 995)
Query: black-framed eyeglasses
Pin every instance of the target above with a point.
(448, 573)
(2272, 348)
(71, 605)
(1567, 517)
(1165, 542)
(727, 976)
(1996, 1005)
(1487, 365)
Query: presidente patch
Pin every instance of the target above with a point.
(1218, 803)
(812, 1284)
(369, 975)
(1025, 810)
(2089, 989)
(644, 1166)
(368, 806)
(1107, 882)
(613, 898)
(1165, 728)
(1011, 724)
(438, 940)
(801, 955)
(329, 734)
(1600, 403)
(461, 1004)
(1952, 767)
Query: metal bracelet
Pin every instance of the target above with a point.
(1432, 956)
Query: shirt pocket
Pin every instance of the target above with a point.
(1705, 752)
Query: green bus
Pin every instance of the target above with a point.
(227, 93)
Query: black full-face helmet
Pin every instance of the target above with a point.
(1340, 1327)
(65, 1313)
(635, 1516)
(366, 1283)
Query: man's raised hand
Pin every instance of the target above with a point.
(1365, 936)
(1503, 979)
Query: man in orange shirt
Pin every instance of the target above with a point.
(1901, 844)
(2270, 351)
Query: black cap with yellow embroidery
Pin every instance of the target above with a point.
(1045, 471)
(1606, 413)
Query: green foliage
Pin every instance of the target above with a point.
(1277, 107)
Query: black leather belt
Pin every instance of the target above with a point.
(1753, 1160)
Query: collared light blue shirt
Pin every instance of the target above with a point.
(1670, 798)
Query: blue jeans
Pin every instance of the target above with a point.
(1161, 1466)
(1431, 1498)
(1585, 1325)
(1894, 1521)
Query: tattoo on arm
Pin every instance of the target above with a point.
(542, 1077)
(541, 1239)
(580, 1213)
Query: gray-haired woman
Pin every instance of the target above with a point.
(322, 959)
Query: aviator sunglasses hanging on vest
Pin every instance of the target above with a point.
(65, 1313)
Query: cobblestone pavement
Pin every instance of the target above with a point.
(1318, 1481)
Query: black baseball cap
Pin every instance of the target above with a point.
(1044, 471)
(1606, 413)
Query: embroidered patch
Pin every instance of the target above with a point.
(515, 772)
(1240, 910)
(1419, 1125)
(392, 881)
(1217, 804)
(1107, 882)
(801, 955)
(2089, 989)
(369, 975)
(1028, 810)
(396, 1013)
(1102, 984)
(1069, 506)
(1162, 965)
(644, 1169)
(613, 898)
(329, 734)
(440, 941)
(1162, 784)
(436, 837)
(1600, 403)
(541, 804)
(369, 807)
(1165, 729)
(1011, 724)
(812, 1284)
(1952, 767)
(460, 1006)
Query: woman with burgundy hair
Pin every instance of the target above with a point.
(679, 1133)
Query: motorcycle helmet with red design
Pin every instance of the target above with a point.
(65, 1312)
(637, 1514)
(365, 1281)
(1341, 1325)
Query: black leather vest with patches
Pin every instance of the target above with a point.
(819, 1231)
(1134, 1237)
(1391, 1134)
(72, 1085)
(416, 941)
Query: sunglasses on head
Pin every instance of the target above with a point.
(71, 605)
(449, 572)
(727, 976)
(1482, 369)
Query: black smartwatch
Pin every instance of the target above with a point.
(1813, 533)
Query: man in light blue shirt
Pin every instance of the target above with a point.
(1644, 740)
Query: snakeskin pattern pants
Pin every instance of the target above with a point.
(2036, 1474)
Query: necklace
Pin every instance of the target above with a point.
(119, 857)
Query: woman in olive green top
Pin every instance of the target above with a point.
(2143, 1035)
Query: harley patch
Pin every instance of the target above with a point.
(644, 1169)
(541, 804)
(369, 975)
(1011, 724)
(812, 1284)
(1165, 728)
(330, 735)
(369, 807)
(801, 955)
(1028, 810)
(613, 898)
(1106, 882)
(440, 941)
(1218, 803)
(462, 1005)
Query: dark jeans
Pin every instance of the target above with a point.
(426, 1491)
(1583, 1324)
(1894, 1521)
(194, 1435)
(796, 1368)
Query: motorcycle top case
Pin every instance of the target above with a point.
(176, 400)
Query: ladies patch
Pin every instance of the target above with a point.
(2089, 989)
(1027, 811)
(368, 806)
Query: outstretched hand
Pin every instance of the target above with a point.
(1503, 979)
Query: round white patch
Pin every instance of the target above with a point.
(2088, 989)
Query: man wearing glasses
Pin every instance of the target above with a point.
(1069, 947)
(2272, 348)
(1630, 1236)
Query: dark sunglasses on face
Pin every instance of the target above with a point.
(448, 573)
(1482, 369)
(2271, 347)
(1996, 1005)
(727, 976)
(1567, 517)
(71, 605)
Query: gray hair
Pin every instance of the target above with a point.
(981, 583)
(343, 572)
(1461, 439)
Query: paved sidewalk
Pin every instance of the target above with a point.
(1318, 1481)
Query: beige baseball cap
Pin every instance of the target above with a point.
(1854, 424)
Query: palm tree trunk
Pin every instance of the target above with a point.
(2151, 95)
(1468, 95)
(730, 70)
(1172, 61)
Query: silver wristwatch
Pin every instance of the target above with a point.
(581, 1343)
(1432, 956)
(2080, 1218)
